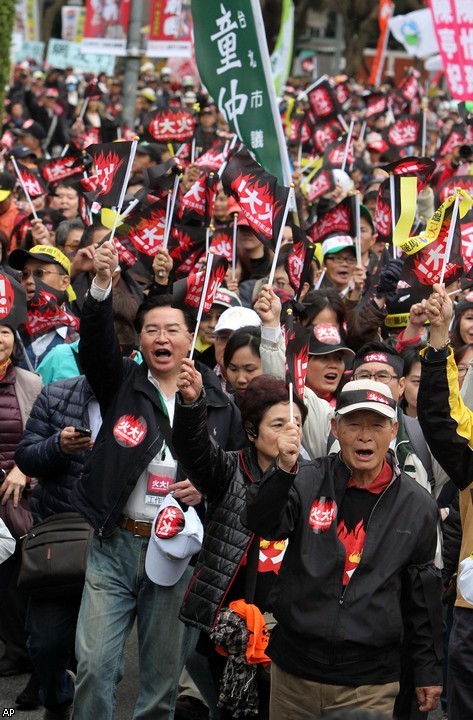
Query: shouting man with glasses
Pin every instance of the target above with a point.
(130, 472)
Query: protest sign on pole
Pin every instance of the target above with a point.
(106, 26)
(170, 29)
(233, 61)
(453, 23)
(386, 11)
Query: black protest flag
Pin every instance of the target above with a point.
(299, 261)
(45, 312)
(187, 293)
(144, 228)
(321, 184)
(186, 247)
(408, 89)
(334, 154)
(324, 135)
(420, 167)
(31, 181)
(222, 241)
(425, 258)
(169, 125)
(383, 214)
(90, 136)
(407, 130)
(159, 179)
(215, 156)
(376, 105)
(261, 199)
(341, 218)
(55, 169)
(455, 138)
(323, 101)
(198, 202)
(297, 353)
(111, 164)
(448, 187)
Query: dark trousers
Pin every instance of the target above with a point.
(12, 609)
(460, 666)
(51, 629)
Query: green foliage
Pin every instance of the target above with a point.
(7, 19)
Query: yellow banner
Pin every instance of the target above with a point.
(408, 202)
(412, 245)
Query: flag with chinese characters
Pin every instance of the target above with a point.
(45, 311)
(261, 199)
(334, 154)
(407, 130)
(297, 353)
(186, 247)
(337, 219)
(453, 140)
(145, 228)
(111, 163)
(169, 125)
(32, 181)
(215, 156)
(55, 169)
(324, 135)
(299, 261)
(187, 293)
(324, 102)
(198, 202)
(426, 252)
(453, 23)
(320, 184)
(448, 187)
(222, 241)
(376, 105)
(233, 61)
(90, 136)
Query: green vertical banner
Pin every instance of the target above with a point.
(233, 61)
(281, 58)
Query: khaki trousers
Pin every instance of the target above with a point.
(294, 698)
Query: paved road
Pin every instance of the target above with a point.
(126, 693)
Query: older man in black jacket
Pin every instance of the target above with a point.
(137, 405)
(358, 568)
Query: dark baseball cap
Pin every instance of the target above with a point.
(31, 127)
(325, 338)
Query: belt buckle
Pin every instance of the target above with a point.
(136, 523)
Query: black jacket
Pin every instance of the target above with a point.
(39, 454)
(130, 403)
(325, 628)
(223, 477)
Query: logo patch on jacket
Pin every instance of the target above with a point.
(322, 514)
(129, 430)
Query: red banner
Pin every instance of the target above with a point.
(386, 9)
(106, 27)
(453, 23)
(170, 29)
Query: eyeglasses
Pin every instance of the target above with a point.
(37, 273)
(382, 376)
(339, 259)
(155, 332)
(462, 371)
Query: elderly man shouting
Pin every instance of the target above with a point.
(358, 572)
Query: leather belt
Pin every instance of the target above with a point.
(139, 528)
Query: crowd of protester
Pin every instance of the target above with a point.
(93, 342)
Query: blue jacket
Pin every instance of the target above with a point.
(39, 455)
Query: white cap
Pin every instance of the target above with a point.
(335, 243)
(237, 317)
(340, 177)
(366, 395)
(166, 71)
(176, 536)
